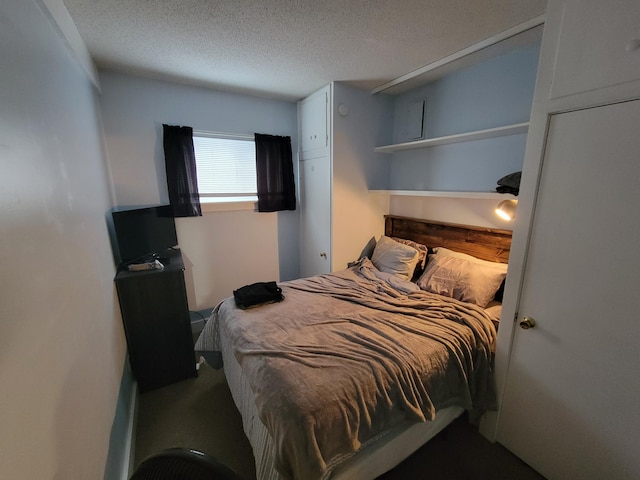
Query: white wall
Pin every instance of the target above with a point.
(357, 215)
(226, 250)
(223, 250)
(466, 211)
(62, 347)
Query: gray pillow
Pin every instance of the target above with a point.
(367, 251)
(393, 257)
(461, 279)
(423, 251)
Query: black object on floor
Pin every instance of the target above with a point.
(182, 464)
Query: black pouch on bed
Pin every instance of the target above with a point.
(257, 293)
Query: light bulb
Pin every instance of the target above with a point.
(507, 209)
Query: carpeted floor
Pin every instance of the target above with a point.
(200, 414)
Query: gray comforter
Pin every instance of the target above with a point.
(348, 355)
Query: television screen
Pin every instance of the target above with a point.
(144, 232)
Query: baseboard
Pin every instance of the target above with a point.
(120, 458)
(130, 437)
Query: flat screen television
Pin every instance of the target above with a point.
(143, 233)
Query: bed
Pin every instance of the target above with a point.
(353, 371)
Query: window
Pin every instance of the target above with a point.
(226, 166)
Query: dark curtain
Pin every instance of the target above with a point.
(180, 164)
(274, 170)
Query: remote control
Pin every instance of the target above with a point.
(138, 267)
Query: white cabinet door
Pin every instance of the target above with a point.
(315, 218)
(572, 396)
(314, 124)
(608, 55)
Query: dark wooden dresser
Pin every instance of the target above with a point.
(156, 321)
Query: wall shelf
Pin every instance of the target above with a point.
(446, 194)
(525, 34)
(456, 138)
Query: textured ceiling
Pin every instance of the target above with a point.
(286, 49)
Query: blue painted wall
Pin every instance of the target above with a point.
(491, 94)
(61, 338)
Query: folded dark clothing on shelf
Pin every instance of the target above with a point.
(505, 189)
(257, 294)
(509, 183)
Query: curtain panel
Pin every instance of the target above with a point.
(274, 171)
(180, 165)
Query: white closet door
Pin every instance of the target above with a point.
(572, 398)
(315, 218)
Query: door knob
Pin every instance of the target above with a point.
(527, 323)
(323, 255)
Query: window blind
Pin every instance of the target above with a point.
(226, 165)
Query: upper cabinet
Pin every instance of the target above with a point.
(314, 125)
(608, 56)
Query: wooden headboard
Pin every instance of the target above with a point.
(485, 243)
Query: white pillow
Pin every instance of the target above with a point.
(450, 253)
(394, 257)
(461, 279)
